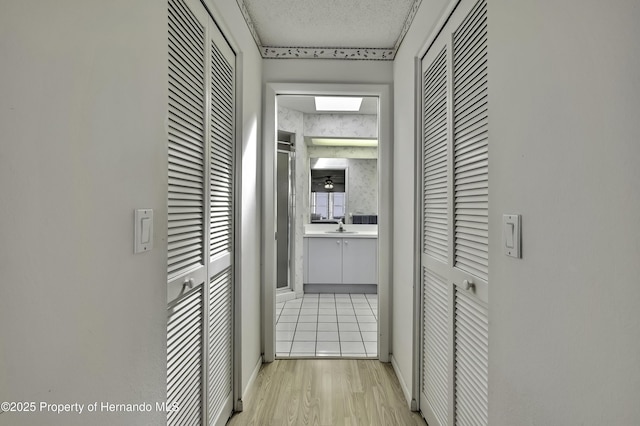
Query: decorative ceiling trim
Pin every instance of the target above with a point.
(250, 24)
(407, 24)
(270, 52)
(351, 53)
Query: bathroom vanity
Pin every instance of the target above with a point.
(341, 262)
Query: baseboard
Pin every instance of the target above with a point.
(283, 296)
(341, 288)
(252, 378)
(403, 385)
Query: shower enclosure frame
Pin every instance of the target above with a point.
(291, 216)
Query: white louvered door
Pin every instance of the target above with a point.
(471, 220)
(455, 267)
(186, 199)
(436, 317)
(221, 213)
(200, 217)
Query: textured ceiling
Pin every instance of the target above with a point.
(339, 29)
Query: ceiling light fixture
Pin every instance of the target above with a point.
(337, 103)
(328, 184)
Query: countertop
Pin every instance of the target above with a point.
(352, 231)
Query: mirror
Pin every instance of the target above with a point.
(344, 188)
(328, 186)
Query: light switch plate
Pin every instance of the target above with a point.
(511, 233)
(143, 230)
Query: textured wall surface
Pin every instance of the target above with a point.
(363, 186)
(342, 152)
(341, 125)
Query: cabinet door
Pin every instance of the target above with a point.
(325, 260)
(359, 261)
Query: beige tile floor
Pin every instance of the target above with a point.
(328, 325)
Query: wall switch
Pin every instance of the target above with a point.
(511, 235)
(143, 230)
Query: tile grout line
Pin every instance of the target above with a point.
(334, 305)
(335, 302)
(293, 339)
(360, 330)
(315, 347)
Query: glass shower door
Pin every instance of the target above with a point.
(284, 224)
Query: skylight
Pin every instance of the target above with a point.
(337, 103)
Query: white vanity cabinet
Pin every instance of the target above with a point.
(359, 260)
(324, 261)
(341, 260)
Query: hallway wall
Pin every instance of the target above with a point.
(84, 143)
(326, 71)
(84, 108)
(563, 152)
(563, 148)
(404, 187)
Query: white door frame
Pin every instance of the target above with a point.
(385, 203)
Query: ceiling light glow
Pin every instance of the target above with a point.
(337, 103)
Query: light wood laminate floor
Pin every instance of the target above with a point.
(326, 392)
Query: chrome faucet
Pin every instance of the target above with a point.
(340, 226)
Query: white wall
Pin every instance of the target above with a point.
(563, 97)
(326, 71)
(404, 186)
(84, 107)
(564, 149)
(228, 16)
(83, 119)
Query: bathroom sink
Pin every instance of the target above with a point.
(340, 232)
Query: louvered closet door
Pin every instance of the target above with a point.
(200, 217)
(455, 191)
(187, 130)
(184, 359)
(221, 207)
(436, 225)
(471, 224)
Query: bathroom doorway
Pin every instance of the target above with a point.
(317, 303)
